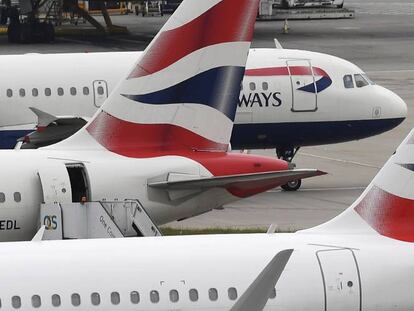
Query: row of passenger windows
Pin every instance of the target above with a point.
(361, 80)
(16, 196)
(59, 91)
(254, 87)
(134, 297)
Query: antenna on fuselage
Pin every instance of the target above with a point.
(278, 45)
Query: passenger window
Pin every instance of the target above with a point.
(100, 90)
(22, 92)
(154, 296)
(134, 297)
(174, 296)
(265, 86)
(193, 293)
(232, 292)
(35, 92)
(115, 299)
(48, 91)
(360, 81)
(213, 294)
(252, 86)
(9, 93)
(36, 301)
(76, 300)
(348, 82)
(17, 197)
(95, 299)
(85, 90)
(73, 91)
(2, 197)
(16, 302)
(273, 294)
(56, 300)
(60, 91)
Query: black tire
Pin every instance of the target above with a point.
(292, 185)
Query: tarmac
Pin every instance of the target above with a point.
(380, 40)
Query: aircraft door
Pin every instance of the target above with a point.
(341, 279)
(55, 183)
(304, 94)
(79, 182)
(100, 92)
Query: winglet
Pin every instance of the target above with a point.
(43, 118)
(39, 234)
(257, 294)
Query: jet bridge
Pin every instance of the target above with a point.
(94, 220)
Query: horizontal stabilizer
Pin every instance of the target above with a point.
(43, 118)
(242, 181)
(258, 293)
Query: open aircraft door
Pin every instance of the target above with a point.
(304, 92)
(55, 183)
(100, 92)
(341, 280)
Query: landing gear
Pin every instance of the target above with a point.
(292, 185)
(287, 154)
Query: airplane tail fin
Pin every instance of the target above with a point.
(386, 207)
(182, 93)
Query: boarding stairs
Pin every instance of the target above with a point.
(94, 220)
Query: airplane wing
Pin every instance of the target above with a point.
(245, 184)
(258, 293)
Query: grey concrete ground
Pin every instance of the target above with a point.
(380, 40)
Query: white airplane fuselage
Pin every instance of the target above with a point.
(325, 272)
(42, 176)
(290, 98)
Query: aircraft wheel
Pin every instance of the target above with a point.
(292, 185)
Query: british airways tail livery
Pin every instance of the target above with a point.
(182, 95)
(161, 138)
(362, 260)
(386, 206)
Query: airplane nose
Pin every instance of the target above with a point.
(397, 108)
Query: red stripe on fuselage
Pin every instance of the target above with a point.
(284, 71)
(225, 22)
(388, 214)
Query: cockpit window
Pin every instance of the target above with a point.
(368, 79)
(360, 81)
(348, 82)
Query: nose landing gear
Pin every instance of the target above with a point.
(287, 154)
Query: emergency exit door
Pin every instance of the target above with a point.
(341, 280)
(304, 91)
(100, 92)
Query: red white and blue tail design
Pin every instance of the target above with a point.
(387, 205)
(183, 92)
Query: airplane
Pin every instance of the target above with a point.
(161, 137)
(289, 99)
(361, 260)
